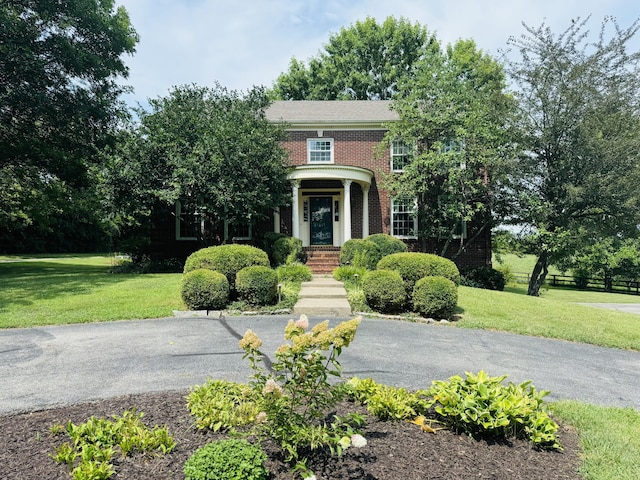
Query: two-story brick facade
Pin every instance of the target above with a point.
(335, 149)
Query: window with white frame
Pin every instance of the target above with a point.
(320, 150)
(238, 230)
(400, 156)
(404, 221)
(188, 221)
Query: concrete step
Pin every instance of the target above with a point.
(335, 307)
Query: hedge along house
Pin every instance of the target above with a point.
(336, 194)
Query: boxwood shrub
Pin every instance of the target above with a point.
(384, 291)
(232, 459)
(360, 253)
(435, 297)
(204, 289)
(257, 285)
(287, 250)
(227, 259)
(387, 244)
(413, 266)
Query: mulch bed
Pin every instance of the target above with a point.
(395, 450)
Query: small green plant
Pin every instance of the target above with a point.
(231, 459)
(483, 406)
(387, 402)
(349, 273)
(223, 405)
(294, 272)
(95, 443)
(205, 289)
(384, 291)
(257, 285)
(435, 297)
(483, 277)
(287, 250)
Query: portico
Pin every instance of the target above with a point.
(321, 209)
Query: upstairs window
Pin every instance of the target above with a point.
(400, 156)
(404, 221)
(188, 221)
(320, 150)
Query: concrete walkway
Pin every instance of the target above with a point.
(322, 296)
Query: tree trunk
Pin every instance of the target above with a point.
(538, 275)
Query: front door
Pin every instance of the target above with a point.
(321, 221)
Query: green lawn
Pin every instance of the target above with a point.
(80, 289)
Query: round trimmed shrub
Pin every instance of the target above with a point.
(413, 266)
(387, 244)
(227, 259)
(384, 290)
(435, 297)
(226, 460)
(287, 250)
(257, 285)
(204, 289)
(267, 242)
(360, 253)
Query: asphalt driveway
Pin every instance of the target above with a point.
(59, 365)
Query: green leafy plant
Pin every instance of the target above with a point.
(387, 402)
(231, 459)
(384, 290)
(223, 405)
(287, 250)
(435, 297)
(205, 289)
(483, 406)
(294, 272)
(360, 253)
(96, 441)
(483, 277)
(257, 285)
(387, 244)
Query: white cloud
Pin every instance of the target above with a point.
(241, 44)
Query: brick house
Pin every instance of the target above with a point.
(336, 196)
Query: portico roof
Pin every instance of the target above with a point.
(362, 176)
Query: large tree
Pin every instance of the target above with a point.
(211, 147)
(60, 63)
(454, 116)
(362, 62)
(580, 123)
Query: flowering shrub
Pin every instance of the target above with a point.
(290, 402)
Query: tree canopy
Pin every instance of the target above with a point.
(362, 62)
(454, 115)
(209, 146)
(60, 63)
(580, 133)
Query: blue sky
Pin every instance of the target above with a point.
(241, 43)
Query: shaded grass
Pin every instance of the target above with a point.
(81, 289)
(610, 438)
(547, 317)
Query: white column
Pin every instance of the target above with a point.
(346, 222)
(276, 220)
(295, 211)
(365, 211)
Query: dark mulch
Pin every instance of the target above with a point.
(395, 450)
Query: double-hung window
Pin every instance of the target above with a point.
(400, 156)
(320, 150)
(188, 221)
(404, 221)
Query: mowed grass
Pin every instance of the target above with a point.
(79, 289)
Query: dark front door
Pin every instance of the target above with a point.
(321, 221)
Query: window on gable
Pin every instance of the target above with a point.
(320, 150)
(188, 221)
(404, 221)
(400, 156)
